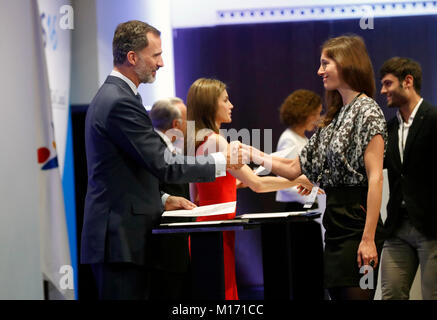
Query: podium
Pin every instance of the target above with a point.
(292, 251)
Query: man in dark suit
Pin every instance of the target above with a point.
(126, 161)
(411, 165)
(171, 277)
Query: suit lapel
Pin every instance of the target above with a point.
(123, 85)
(414, 130)
(393, 145)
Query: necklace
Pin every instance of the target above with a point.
(325, 162)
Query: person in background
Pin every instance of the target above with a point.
(171, 278)
(300, 112)
(345, 156)
(169, 118)
(410, 161)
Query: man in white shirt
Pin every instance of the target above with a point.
(410, 161)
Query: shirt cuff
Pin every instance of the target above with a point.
(220, 164)
(164, 199)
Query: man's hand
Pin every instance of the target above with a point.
(177, 203)
(234, 156)
(253, 154)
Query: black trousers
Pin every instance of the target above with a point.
(167, 285)
(122, 281)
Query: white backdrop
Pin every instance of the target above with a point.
(20, 271)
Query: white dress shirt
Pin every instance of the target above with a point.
(167, 141)
(288, 139)
(132, 85)
(404, 127)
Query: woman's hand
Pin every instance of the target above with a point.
(305, 186)
(367, 253)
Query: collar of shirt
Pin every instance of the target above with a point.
(167, 141)
(117, 74)
(298, 138)
(411, 118)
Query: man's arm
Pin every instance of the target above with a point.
(131, 130)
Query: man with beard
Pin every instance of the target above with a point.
(126, 162)
(410, 161)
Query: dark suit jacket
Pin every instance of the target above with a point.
(125, 159)
(414, 180)
(171, 250)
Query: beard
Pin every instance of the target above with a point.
(398, 98)
(144, 73)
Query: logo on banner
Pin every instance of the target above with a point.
(49, 23)
(44, 155)
(49, 35)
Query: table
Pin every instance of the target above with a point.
(292, 254)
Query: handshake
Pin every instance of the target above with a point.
(238, 154)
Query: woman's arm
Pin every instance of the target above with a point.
(246, 175)
(373, 160)
(287, 168)
(261, 184)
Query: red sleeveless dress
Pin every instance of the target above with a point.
(223, 189)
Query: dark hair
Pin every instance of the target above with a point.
(298, 106)
(402, 67)
(354, 67)
(130, 36)
(202, 103)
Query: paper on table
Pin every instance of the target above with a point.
(202, 223)
(285, 153)
(275, 214)
(210, 210)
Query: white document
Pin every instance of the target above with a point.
(311, 198)
(203, 223)
(285, 153)
(210, 210)
(271, 215)
(275, 214)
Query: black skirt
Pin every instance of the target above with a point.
(344, 221)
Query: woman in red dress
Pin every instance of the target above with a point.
(209, 106)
